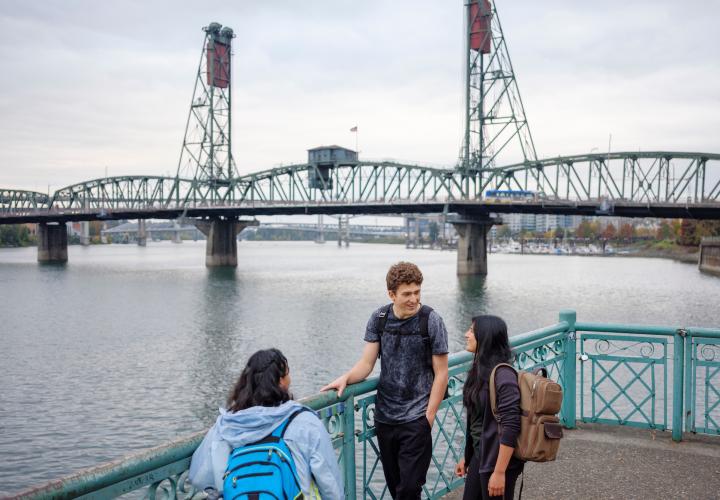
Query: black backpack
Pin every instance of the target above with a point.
(424, 317)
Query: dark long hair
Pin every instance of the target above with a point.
(259, 383)
(493, 347)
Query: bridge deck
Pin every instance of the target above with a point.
(598, 461)
(479, 208)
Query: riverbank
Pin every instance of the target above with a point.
(661, 250)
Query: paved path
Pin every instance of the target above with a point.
(607, 462)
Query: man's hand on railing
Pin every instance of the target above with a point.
(338, 384)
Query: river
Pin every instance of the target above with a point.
(126, 347)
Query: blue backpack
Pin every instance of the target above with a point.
(264, 469)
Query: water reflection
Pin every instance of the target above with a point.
(472, 300)
(215, 361)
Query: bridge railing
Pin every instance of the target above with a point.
(653, 377)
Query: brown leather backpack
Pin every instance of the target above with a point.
(540, 400)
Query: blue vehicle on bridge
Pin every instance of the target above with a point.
(510, 194)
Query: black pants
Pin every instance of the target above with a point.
(476, 483)
(405, 452)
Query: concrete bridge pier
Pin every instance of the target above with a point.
(221, 247)
(142, 233)
(177, 237)
(472, 244)
(85, 233)
(52, 243)
(709, 260)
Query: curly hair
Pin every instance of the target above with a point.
(403, 273)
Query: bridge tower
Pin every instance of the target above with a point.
(206, 155)
(495, 124)
(495, 121)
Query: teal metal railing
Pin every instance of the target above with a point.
(652, 377)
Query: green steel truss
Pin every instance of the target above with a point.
(652, 177)
(495, 121)
(17, 200)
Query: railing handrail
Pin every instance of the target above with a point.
(647, 329)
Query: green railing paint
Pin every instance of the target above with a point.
(622, 378)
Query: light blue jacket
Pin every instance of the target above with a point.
(306, 437)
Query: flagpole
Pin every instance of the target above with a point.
(355, 130)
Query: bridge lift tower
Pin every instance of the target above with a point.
(206, 155)
(495, 123)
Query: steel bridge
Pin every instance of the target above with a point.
(207, 185)
(632, 184)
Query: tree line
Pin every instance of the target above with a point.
(684, 232)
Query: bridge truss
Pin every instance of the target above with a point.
(635, 177)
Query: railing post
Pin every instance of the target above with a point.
(567, 411)
(349, 447)
(689, 381)
(678, 372)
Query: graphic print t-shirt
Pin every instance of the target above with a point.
(406, 376)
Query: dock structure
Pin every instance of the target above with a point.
(709, 260)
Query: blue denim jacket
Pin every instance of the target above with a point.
(306, 437)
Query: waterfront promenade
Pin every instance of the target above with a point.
(607, 462)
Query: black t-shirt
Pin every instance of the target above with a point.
(405, 376)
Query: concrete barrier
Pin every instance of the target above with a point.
(709, 261)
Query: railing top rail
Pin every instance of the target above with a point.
(107, 474)
(703, 332)
(525, 338)
(647, 329)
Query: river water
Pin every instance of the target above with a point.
(126, 347)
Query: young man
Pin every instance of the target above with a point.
(411, 341)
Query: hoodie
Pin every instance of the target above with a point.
(306, 438)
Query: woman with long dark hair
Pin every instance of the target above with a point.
(259, 403)
(489, 468)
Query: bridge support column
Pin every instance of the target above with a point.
(472, 245)
(85, 233)
(52, 243)
(221, 247)
(177, 238)
(142, 233)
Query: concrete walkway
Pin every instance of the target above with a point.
(599, 462)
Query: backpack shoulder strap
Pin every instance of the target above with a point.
(279, 431)
(492, 388)
(424, 318)
(382, 318)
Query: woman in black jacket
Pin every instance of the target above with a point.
(489, 467)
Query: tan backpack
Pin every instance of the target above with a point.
(540, 429)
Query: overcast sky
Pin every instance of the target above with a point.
(91, 85)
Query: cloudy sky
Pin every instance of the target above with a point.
(92, 86)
